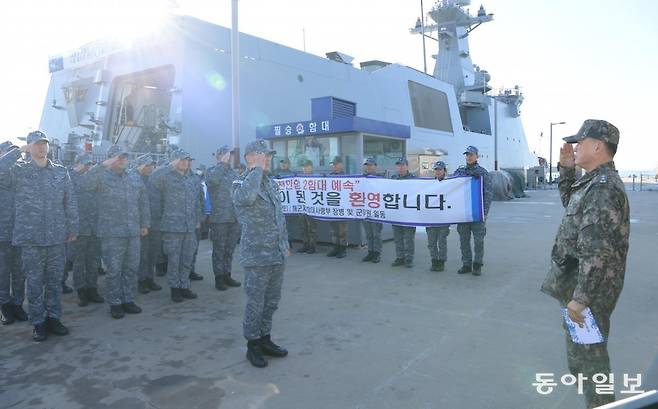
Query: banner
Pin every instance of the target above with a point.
(412, 202)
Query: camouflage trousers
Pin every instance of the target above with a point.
(149, 252)
(373, 235)
(478, 230)
(121, 258)
(12, 279)
(339, 233)
(405, 242)
(179, 249)
(85, 262)
(263, 288)
(309, 230)
(437, 242)
(44, 267)
(197, 234)
(590, 360)
(224, 238)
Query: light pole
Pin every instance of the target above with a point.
(550, 152)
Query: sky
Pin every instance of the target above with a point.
(573, 60)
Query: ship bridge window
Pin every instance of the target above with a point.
(430, 107)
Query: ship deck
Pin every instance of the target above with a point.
(360, 335)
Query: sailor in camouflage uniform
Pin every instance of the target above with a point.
(46, 219)
(373, 229)
(149, 244)
(404, 236)
(338, 227)
(589, 254)
(12, 279)
(437, 236)
(123, 218)
(309, 224)
(263, 250)
(473, 263)
(181, 198)
(86, 254)
(224, 226)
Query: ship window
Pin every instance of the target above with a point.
(430, 107)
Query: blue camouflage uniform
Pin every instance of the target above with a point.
(86, 260)
(263, 247)
(477, 229)
(181, 201)
(224, 227)
(123, 210)
(151, 243)
(437, 236)
(404, 236)
(12, 279)
(46, 217)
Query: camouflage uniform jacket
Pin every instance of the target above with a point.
(219, 180)
(589, 254)
(476, 170)
(155, 201)
(257, 203)
(47, 212)
(181, 200)
(123, 206)
(87, 204)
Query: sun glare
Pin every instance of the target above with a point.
(127, 21)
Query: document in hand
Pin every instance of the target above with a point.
(589, 333)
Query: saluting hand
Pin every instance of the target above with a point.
(567, 157)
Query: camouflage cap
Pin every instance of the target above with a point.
(370, 161)
(336, 160)
(258, 146)
(84, 158)
(223, 149)
(116, 150)
(471, 149)
(597, 129)
(180, 154)
(402, 161)
(439, 164)
(146, 159)
(36, 136)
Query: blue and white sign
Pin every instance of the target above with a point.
(333, 126)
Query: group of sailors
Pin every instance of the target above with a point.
(135, 220)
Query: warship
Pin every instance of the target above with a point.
(173, 88)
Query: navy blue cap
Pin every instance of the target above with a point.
(116, 150)
(439, 164)
(471, 149)
(36, 136)
(146, 159)
(402, 161)
(223, 149)
(370, 161)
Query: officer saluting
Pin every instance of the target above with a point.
(45, 220)
(263, 250)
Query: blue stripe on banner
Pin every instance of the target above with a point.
(476, 199)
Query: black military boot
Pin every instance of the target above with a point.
(93, 296)
(66, 289)
(8, 316)
(434, 264)
(130, 308)
(187, 293)
(341, 252)
(54, 326)
(195, 277)
(255, 354)
(230, 282)
(83, 299)
(440, 265)
(116, 311)
(477, 269)
(376, 257)
(368, 257)
(272, 349)
(143, 287)
(175, 295)
(409, 263)
(466, 268)
(39, 333)
(152, 285)
(398, 262)
(220, 285)
(333, 252)
(19, 313)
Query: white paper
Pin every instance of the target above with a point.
(589, 333)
